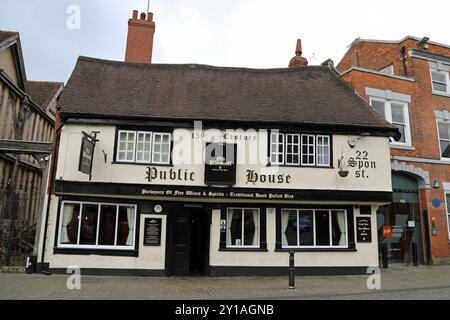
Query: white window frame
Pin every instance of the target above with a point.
(317, 150)
(446, 211)
(151, 146)
(388, 117)
(299, 145)
(88, 246)
(439, 136)
(314, 154)
(277, 153)
(126, 146)
(162, 134)
(314, 246)
(257, 228)
(447, 81)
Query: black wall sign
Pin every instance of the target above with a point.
(152, 231)
(220, 163)
(86, 154)
(363, 229)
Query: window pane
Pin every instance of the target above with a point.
(107, 227)
(438, 76)
(308, 146)
(445, 149)
(143, 147)
(129, 156)
(338, 227)
(439, 87)
(156, 157)
(378, 106)
(305, 226)
(401, 128)
(289, 227)
(322, 228)
(277, 148)
(323, 150)
(443, 131)
(125, 228)
(69, 223)
(88, 232)
(250, 227)
(397, 113)
(234, 235)
(292, 149)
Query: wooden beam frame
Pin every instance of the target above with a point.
(25, 147)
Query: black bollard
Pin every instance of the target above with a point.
(384, 254)
(415, 254)
(291, 270)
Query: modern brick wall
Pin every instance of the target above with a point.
(424, 134)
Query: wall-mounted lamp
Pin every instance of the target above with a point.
(436, 184)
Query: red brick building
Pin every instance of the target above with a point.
(407, 82)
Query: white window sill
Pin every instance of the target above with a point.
(402, 146)
(443, 94)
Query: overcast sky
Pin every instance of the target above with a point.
(244, 33)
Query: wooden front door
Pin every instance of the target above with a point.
(181, 244)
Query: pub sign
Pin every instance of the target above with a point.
(220, 163)
(86, 154)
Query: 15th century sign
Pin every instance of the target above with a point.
(86, 153)
(220, 163)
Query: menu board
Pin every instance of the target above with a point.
(363, 229)
(152, 231)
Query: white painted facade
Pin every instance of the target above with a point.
(371, 173)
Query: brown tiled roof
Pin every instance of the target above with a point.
(307, 95)
(42, 92)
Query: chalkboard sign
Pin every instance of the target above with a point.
(152, 231)
(363, 229)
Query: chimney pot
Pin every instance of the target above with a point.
(135, 14)
(149, 16)
(298, 49)
(298, 61)
(143, 15)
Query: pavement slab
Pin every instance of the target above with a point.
(424, 282)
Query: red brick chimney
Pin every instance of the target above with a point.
(298, 61)
(140, 38)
